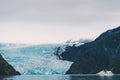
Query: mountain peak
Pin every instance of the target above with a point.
(101, 54)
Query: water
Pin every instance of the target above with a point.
(60, 77)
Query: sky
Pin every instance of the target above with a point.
(56, 21)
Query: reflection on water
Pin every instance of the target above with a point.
(36, 77)
(59, 77)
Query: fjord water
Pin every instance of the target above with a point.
(38, 62)
(60, 77)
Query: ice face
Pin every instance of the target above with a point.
(35, 59)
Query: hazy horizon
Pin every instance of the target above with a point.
(56, 21)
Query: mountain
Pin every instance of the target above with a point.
(6, 69)
(101, 54)
(77, 42)
(70, 48)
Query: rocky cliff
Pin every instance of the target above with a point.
(101, 54)
(6, 69)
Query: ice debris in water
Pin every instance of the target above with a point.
(105, 73)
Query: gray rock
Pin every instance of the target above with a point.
(101, 54)
(6, 69)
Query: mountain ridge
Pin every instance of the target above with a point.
(101, 54)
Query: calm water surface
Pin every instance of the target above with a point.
(59, 77)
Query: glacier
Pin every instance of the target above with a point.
(34, 59)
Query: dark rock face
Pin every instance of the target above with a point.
(6, 69)
(101, 54)
(71, 53)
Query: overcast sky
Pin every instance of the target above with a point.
(55, 21)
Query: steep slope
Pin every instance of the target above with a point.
(72, 47)
(6, 69)
(101, 54)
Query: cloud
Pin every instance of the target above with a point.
(65, 16)
(58, 11)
